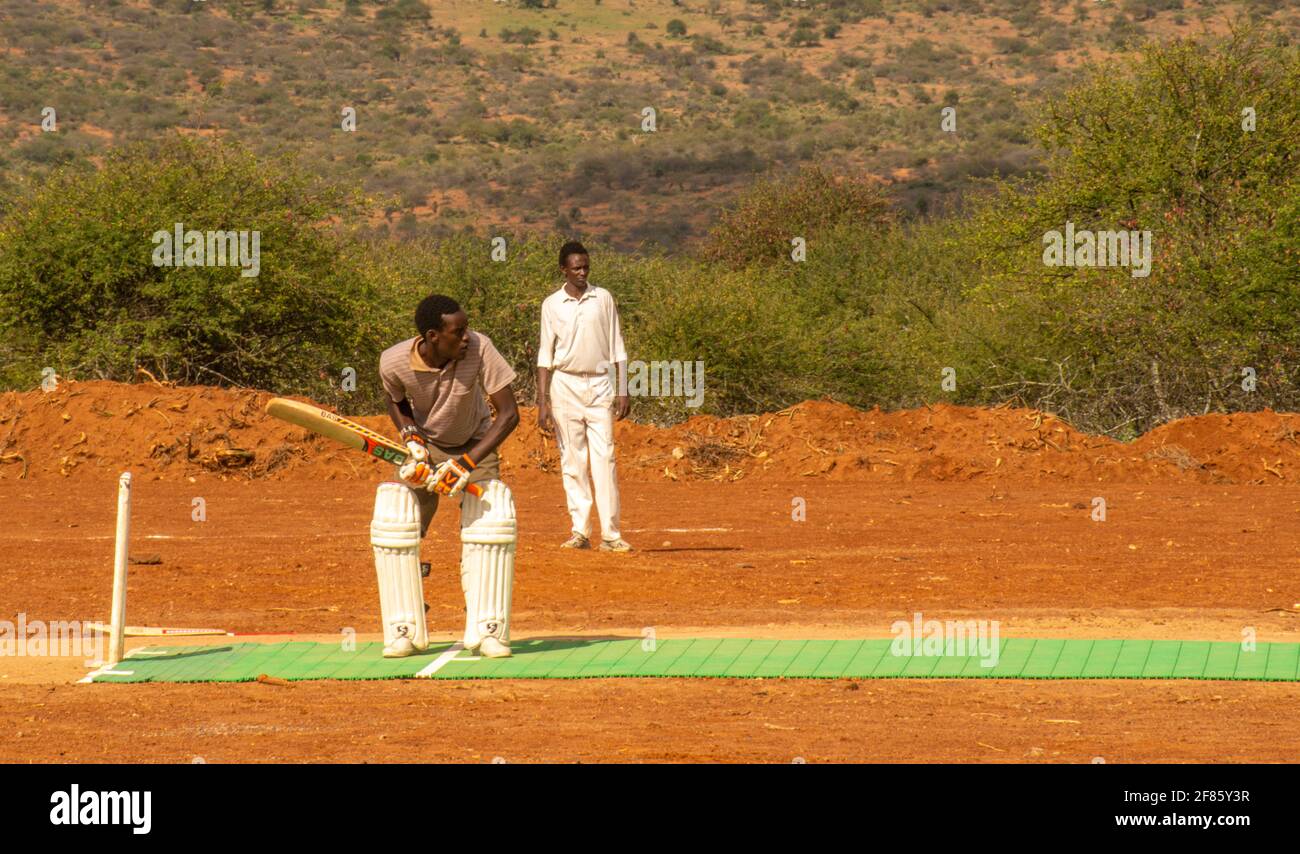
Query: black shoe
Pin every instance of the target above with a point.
(425, 569)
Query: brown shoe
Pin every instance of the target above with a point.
(577, 541)
(619, 545)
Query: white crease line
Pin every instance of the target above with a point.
(90, 677)
(107, 670)
(439, 662)
(678, 530)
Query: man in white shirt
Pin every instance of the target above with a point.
(576, 398)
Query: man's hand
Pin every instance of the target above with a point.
(416, 474)
(452, 476)
(545, 418)
(416, 470)
(419, 451)
(622, 405)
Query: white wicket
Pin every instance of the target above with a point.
(117, 626)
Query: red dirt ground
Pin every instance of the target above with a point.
(953, 512)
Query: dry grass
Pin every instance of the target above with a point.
(1178, 455)
(711, 459)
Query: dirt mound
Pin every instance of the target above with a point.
(1244, 447)
(946, 443)
(83, 428)
(161, 431)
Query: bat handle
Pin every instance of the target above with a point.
(475, 490)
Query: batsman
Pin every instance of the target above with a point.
(438, 386)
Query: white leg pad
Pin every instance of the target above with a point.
(487, 562)
(395, 536)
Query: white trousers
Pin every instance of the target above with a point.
(583, 408)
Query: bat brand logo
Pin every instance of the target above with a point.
(386, 453)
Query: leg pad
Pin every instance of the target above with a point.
(395, 537)
(487, 568)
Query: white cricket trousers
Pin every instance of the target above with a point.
(583, 408)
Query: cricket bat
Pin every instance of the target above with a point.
(345, 432)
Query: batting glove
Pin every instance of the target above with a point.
(415, 444)
(452, 476)
(416, 474)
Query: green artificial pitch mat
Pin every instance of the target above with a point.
(581, 658)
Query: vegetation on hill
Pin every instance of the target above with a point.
(874, 313)
(509, 117)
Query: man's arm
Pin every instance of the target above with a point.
(415, 471)
(545, 361)
(622, 403)
(399, 406)
(402, 416)
(502, 426)
(545, 420)
(618, 354)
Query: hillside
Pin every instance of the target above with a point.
(490, 117)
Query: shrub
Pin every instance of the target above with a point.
(803, 36)
(761, 224)
(403, 11)
(523, 35)
(79, 291)
(1109, 349)
(47, 149)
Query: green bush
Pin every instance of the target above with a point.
(523, 35)
(403, 11)
(803, 36)
(780, 349)
(47, 149)
(79, 290)
(1158, 146)
(760, 226)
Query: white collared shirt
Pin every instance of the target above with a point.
(580, 335)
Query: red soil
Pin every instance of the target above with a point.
(100, 428)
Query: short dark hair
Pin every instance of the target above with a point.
(573, 247)
(430, 311)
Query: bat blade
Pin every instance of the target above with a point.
(338, 428)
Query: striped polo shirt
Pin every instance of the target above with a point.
(449, 404)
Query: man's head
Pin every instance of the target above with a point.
(574, 264)
(444, 327)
